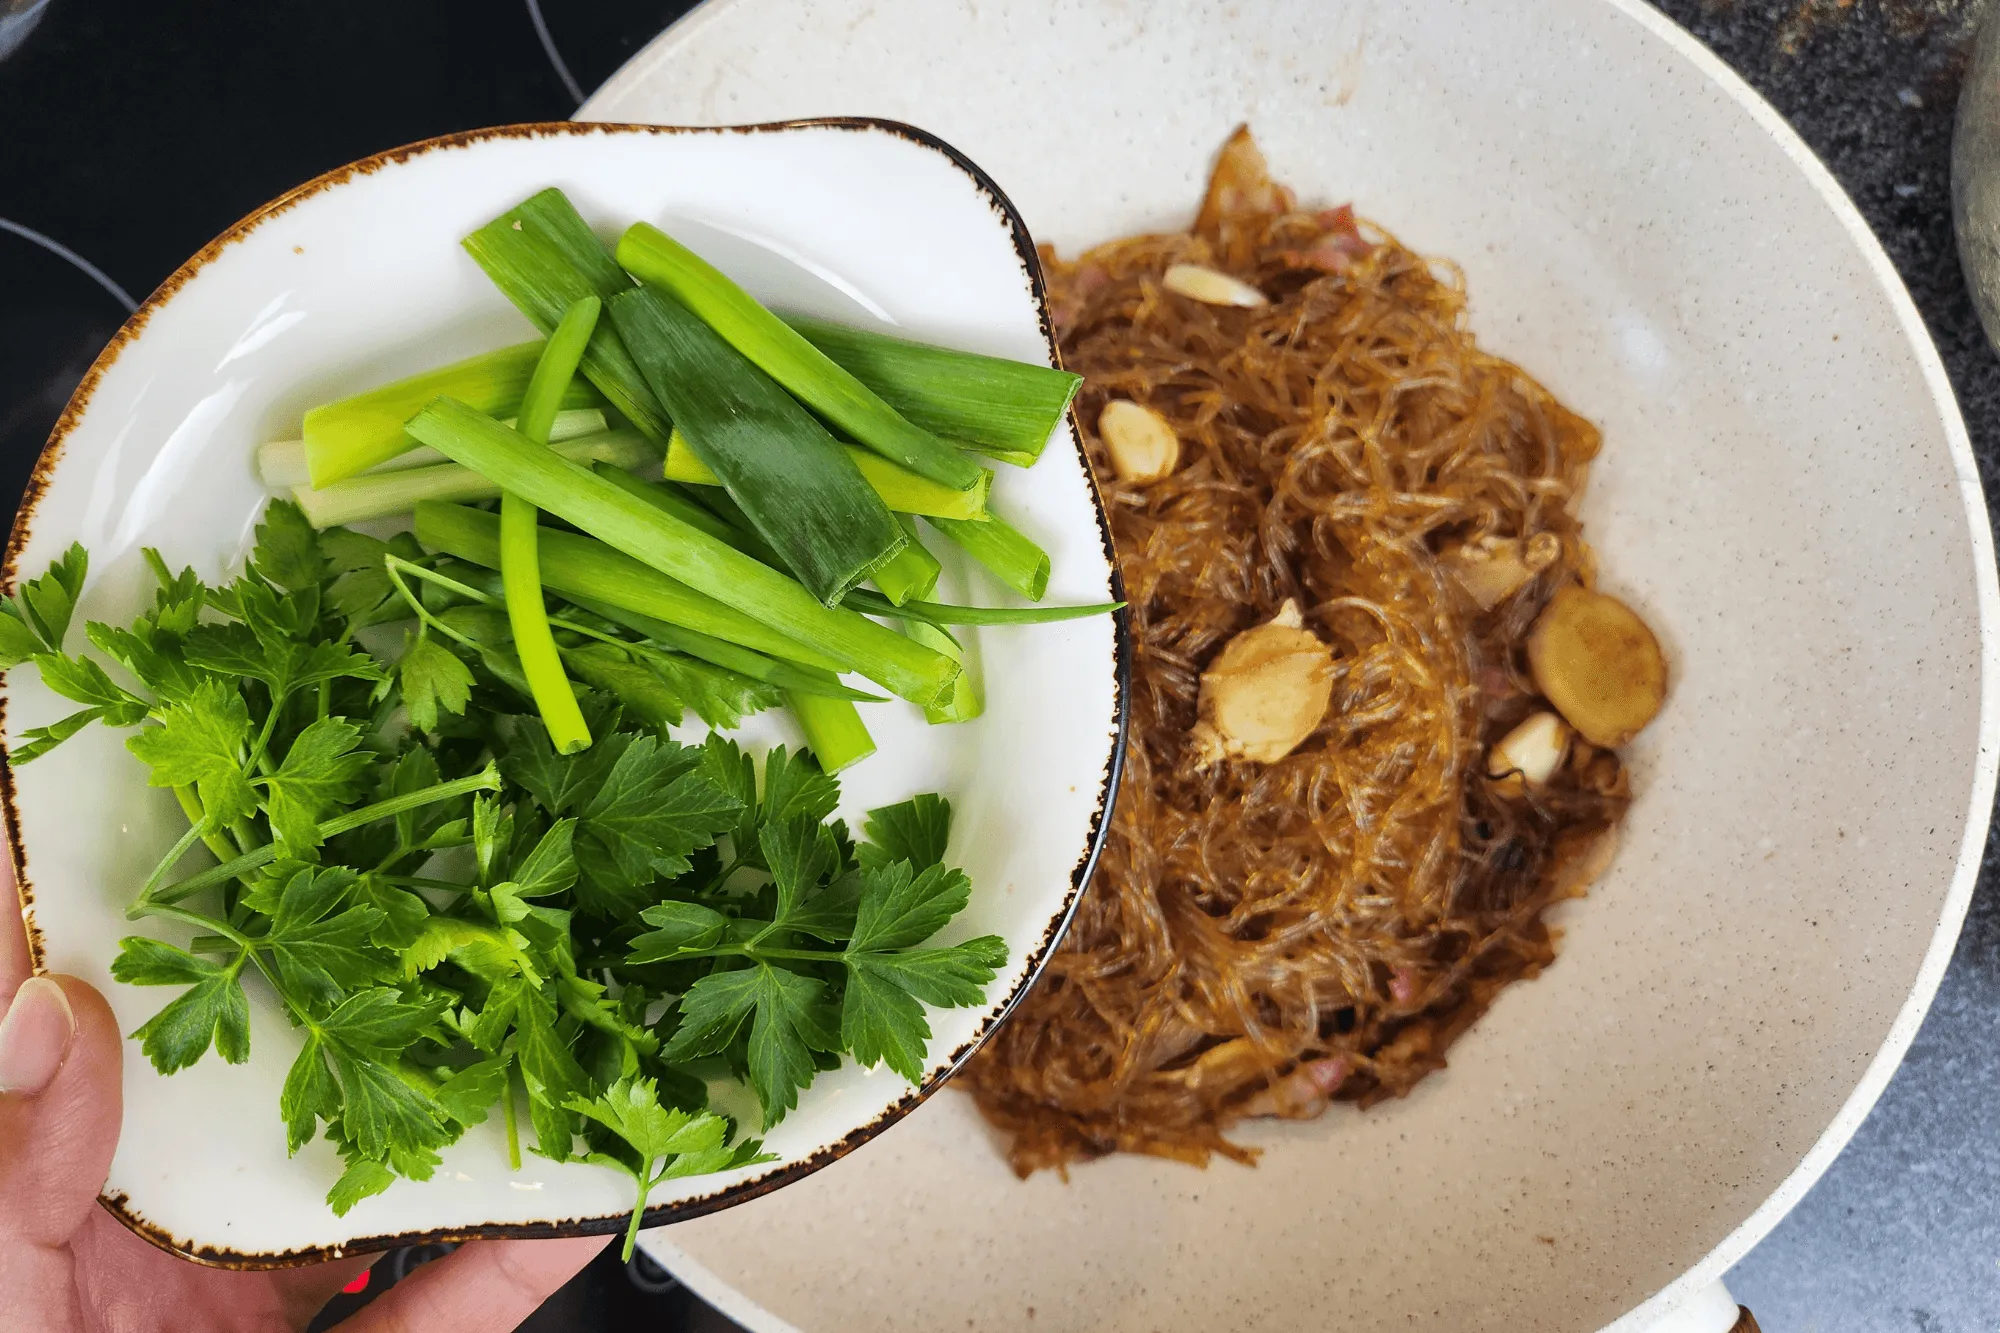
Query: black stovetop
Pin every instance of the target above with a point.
(133, 132)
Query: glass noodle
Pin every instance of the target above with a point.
(1260, 939)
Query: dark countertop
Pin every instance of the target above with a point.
(136, 131)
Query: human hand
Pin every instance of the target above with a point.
(69, 1266)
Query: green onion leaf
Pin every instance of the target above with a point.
(587, 571)
(629, 524)
(655, 257)
(942, 613)
(668, 499)
(902, 490)
(1004, 409)
(967, 700)
(544, 257)
(912, 572)
(722, 653)
(804, 495)
(1009, 554)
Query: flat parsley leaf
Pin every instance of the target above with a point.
(690, 1142)
(83, 681)
(321, 770)
(470, 1094)
(320, 953)
(898, 909)
(882, 1022)
(201, 742)
(38, 741)
(490, 952)
(679, 928)
(949, 978)
(550, 866)
(788, 1018)
(363, 1178)
(45, 605)
(18, 642)
(794, 787)
(645, 694)
(800, 852)
(310, 1094)
(915, 830)
(433, 678)
(643, 806)
(549, 1069)
(213, 1010)
(288, 549)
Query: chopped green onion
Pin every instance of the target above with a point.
(1004, 409)
(281, 464)
(482, 587)
(554, 372)
(1009, 554)
(520, 566)
(911, 572)
(581, 497)
(585, 570)
(722, 653)
(398, 491)
(902, 490)
(655, 257)
(669, 500)
(543, 256)
(802, 492)
(354, 434)
(834, 730)
(967, 700)
(943, 613)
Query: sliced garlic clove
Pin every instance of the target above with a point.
(1142, 444)
(1599, 664)
(1531, 752)
(1211, 287)
(1493, 569)
(1265, 692)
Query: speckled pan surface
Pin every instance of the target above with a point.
(1786, 492)
(356, 279)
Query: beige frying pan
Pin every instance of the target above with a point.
(1786, 493)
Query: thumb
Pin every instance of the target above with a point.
(61, 1099)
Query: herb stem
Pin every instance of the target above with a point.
(421, 882)
(646, 1183)
(391, 565)
(219, 926)
(171, 859)
(513, 1120)
(191, 807)
(256, 763)
(486, 780)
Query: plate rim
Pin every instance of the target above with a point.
(53, 452)
(653, 59)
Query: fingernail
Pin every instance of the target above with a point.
(35, 1037)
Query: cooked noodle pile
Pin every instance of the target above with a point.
(1259, 939)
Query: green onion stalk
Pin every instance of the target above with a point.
(520, 565)
(784, 354)
(630, 525)
(346, 438)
